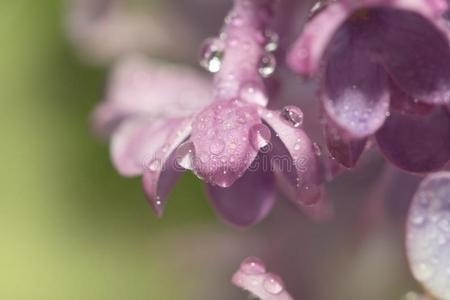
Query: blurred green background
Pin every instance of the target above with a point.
(70, 227)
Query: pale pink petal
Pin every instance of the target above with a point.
(136, 141)
(428, 235)
(222, 137)
(138, 86)
(162, 171)
(253, 277)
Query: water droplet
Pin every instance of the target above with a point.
(251, 92)
(271, 39)
(185, 155)
(211, 55)
(154, 165)
(273, 284)
(310, 194)
(217, 146)
(267, 65)
(293, 115)
(297, 146)
(317, 7)
(259, 136)
(253, 265)
(224, 178)
(317, 149)
(423, 271)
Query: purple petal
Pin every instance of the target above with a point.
(416, 144)
(406, 104)
(253, 277)
(248, 200)
(424, 72)
(243, 44)
(221, 137)
(355, 95)
(428, 235)
(344, 150)
(293, 156)
(306, 54)
(136, 141)
(139, 86)
(162, 172)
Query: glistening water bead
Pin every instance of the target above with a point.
(267, 65)
(211, 55)
(292, 115)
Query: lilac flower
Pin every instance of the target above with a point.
(386, 72)
(236, 145)
(253, 277)
(428, 234)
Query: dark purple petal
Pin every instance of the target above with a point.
(221, 136)
(136, 141)
(406, 104)
(162, 172)
(417, 55)
(344, 150)
(306, 54)
(293, 156)
(355, 93)
(248, 200)
(416, 144)
(428, 235)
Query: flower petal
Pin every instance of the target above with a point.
(253, 277)
(221, 136)
(139, 86)
(355, 95)
(162, 172)
(306, 54)
(405, 104)
(428, 234)
(345, 151)
(293, 156)
(136, 141)
(416, 144)
(424, 72)
(248, 200)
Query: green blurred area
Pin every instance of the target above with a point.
(70, 227)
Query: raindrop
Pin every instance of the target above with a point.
(293, 115)
(154, 165)
(217, 146)
(317, 7)
(211, 55)
(271, 39)
(259, 136)
(267, 65)
(310, 194)
(297, 146)
(185, 155)
(224, 178)
(253, 265)
(252, 93)
(317, 149)
(273, 284)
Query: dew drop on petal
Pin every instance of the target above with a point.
(185, 155)
(317, 8)
(292, 115)
(224, 178)
(217, 146)
(251, 92)
(267, 65)
(253, 265)
(154, 165)
(211, 55)
(317, 149)
(271, 39)
(273, 284)
(259, 136)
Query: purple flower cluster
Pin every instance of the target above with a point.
(383, 71)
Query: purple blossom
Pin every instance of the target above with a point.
(226, 136)
(385, 72)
